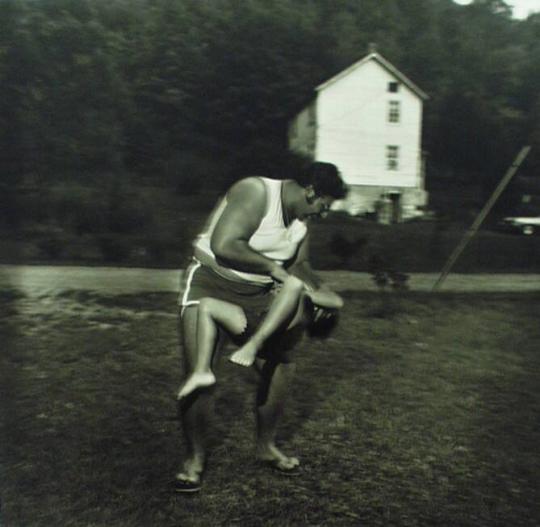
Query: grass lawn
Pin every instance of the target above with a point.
(419, 409)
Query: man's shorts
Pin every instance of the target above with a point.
(200, 281)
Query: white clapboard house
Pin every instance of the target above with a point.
(367, 120)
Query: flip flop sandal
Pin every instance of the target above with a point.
(278, 467)
(184, 485)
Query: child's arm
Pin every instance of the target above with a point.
(319, 293)
(325, 298)
(301, 267)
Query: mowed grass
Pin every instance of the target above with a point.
(419, 409)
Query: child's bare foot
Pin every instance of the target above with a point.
(245, 356)
(195, 381)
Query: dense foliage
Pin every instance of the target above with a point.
(177, 89)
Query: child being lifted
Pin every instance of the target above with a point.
(282, 311)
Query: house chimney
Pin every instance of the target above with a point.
(372, 48)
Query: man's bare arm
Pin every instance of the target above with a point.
(246, 206)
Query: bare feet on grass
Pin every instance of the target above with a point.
(245, 356)
(196, 381)
(271, 454)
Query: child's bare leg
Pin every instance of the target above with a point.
(283, 308)
(212, 313)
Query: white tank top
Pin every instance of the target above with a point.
(272, 238)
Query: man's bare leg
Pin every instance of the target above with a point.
(276, 380)
(210, 313)
(195, 412)
(273, 391)
(282, 309)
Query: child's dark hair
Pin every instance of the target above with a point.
(325, 179)
(323, 327)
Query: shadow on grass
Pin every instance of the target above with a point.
(339, 355)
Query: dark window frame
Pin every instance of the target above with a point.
(392, 157)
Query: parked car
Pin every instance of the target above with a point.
(527, 225)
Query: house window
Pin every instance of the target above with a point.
(393, 87)
(392, 157)
(393, 112)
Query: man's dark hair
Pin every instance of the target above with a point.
(325, 179)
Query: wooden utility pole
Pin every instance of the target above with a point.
(482, 216)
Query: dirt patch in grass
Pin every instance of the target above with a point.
(419, 409)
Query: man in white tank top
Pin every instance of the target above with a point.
(255, 236)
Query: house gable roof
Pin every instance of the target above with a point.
(382, 62)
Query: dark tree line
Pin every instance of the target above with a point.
(187, 91)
